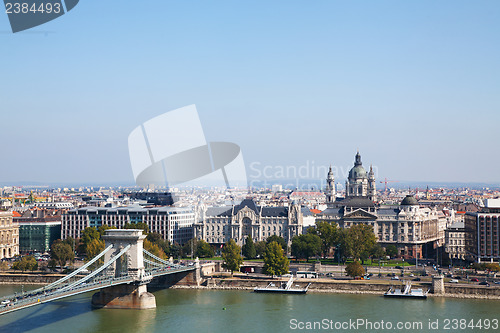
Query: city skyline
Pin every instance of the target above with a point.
(412, 86)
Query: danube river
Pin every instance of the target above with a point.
(191, 310)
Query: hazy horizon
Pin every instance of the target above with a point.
(412, 85)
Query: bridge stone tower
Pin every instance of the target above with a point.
(129, 296)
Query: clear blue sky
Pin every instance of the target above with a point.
(415, 85)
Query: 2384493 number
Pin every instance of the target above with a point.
(25, 8)
(464, 324)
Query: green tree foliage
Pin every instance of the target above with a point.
(175, 250)
(231, 256)
(153, 248)
(275, 261)
(260, 248)
(71, 242)
(102, 229)
(204, 250)
(248, 249)
(4, 266)
(358, 240)
(62, 253)
(27, 263)
(89, 234)
(306, 246)
(157, 239)
(354, 269)
(329, 234)
(138, 225)
(280, 240)
(377, 251)
(198, 248)
(391, 250)
(92, 249)
(492, 267)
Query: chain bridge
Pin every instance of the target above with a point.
(121, 273)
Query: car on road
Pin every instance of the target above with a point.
(474, 280)
(454, 281)
(417, 279)
(484, 283)
(497, 282)
(395, 278)
(398, 267)
(6, 302)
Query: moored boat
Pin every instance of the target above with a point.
(407, 292)
(283, 288)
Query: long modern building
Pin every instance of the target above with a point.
(408, 226)
(9, 236)
(173, 223)
(482, 233)
(217, 225)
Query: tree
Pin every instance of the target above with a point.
(31, 263)
(492, 267)
(391, 250)
(138, 225)
(93, 248)
(89, 234)
(231, 256)
(154, 249)
(260, 248)
(27, 263)
(175, 250)
(280, 240)
(204, 250)
(328, 232)
(4, 266)
(248, 250)
(62, 253)
(306, 246)
(71, 242)
(377, 251)
(359, 239)
(354, 269)
(275, 261)
(157, 239)
(102, 229)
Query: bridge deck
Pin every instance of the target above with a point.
(45, 296)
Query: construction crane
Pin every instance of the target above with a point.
(386, 181)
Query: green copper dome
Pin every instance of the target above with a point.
(357, 172)
(409, 200)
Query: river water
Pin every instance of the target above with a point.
(191, 310)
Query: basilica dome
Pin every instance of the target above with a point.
(357, 171)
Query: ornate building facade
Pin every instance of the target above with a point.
(9, 236)
(408, 226)
(217, 225)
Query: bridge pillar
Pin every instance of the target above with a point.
(131, 296)
(125, 296)
(437, 284)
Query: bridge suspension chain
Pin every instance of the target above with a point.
(97, 271)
